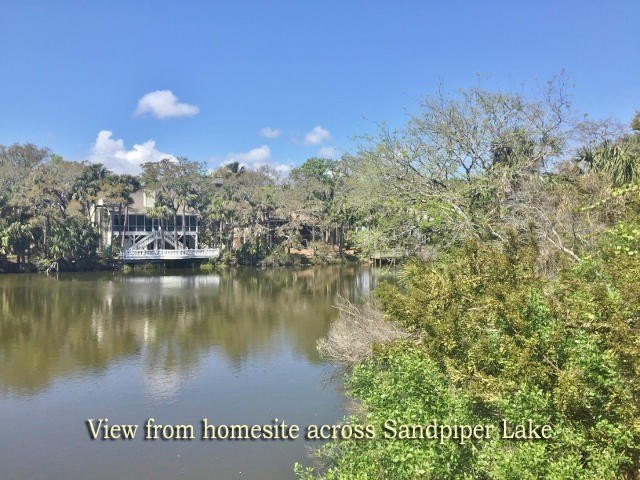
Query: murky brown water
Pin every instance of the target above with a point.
(238, 347)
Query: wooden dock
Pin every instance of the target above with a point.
(387, 256)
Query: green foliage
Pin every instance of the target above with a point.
(16, 163)
(319, 169)
(403, 384)
(497, 340)
(73, 242)
(619, 160)
(624, 239)
(635, 123)
(250, 252)
(18, 239)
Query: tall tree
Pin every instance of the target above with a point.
(16, 165)
(116, 191)
(176, 186)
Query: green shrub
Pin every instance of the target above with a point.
(498, 340)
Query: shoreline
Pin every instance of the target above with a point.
(203, 266)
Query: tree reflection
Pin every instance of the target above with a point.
(78, 325)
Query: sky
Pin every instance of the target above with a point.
(275, 83)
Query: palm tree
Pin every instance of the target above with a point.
(619, 160)
(17, 238)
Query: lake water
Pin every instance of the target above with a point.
(236, 347)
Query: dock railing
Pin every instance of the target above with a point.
(168, 254)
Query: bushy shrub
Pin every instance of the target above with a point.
(498, 340)
(73, 242)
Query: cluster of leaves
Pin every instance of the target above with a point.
(74, 241)
(500, 340)
(619, 159)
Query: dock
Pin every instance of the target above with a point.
(140, 255)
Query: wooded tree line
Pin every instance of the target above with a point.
(470, 164)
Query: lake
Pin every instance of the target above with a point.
(236, 347)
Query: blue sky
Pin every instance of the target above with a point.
(316, 73)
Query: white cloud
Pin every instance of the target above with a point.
(268, 132)
(327, 152)
(317, 136)
(283, 169)
(254, 157)
(112, 153)
(164, 104)
(258, 157)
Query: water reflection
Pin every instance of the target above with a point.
(52, 328)
(238, 347)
